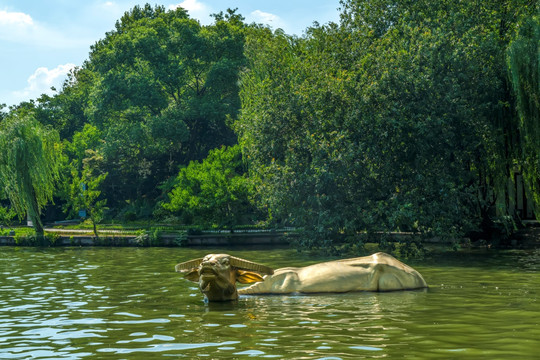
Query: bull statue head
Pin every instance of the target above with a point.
(217, 274)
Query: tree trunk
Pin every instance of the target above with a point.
(36, 223)
(33, 214)
(95, 228)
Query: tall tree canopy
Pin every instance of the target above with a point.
(394, 119)
(402, 116)
(159, 89)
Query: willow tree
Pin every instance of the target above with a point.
(29, 164)
(524, 65)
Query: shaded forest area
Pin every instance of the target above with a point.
(409, 116)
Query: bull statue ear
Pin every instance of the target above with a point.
(191, 268)
(242, 264)
(188, 265)
(192, 275)
(247, 277)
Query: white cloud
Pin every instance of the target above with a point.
(41, 81)
(109, 8)
(190, 5)
(264, 16)
(273, 20)
(15, 25)
(15, 19)
(18, 27)
(196, 9)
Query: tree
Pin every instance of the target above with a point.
(29, 164)
(214, 191)
(83, 145)
(65, 111)
(158, 91)
(163, 89)
(84, 194)
(393, 120)
(524, 66)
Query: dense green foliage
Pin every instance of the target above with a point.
(215, 191)
(154, 95)
(524, 65)
(394, 120)
(29, 165)
(165, 86)
(7, 215)
(405, 116)
(83, 194)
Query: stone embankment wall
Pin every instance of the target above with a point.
(164, 240)
(525, 238)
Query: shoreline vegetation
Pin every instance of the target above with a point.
(401, 124)
(161, 236)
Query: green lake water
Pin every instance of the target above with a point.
(128, 303)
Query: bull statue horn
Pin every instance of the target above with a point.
(188, 265)
(248, 265)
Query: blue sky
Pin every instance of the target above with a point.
(41, 40)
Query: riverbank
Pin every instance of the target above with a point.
(145, 239)
(523, 239)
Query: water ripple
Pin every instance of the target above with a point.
(166, 347)
(126, 303)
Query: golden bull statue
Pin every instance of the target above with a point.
(217, 275)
